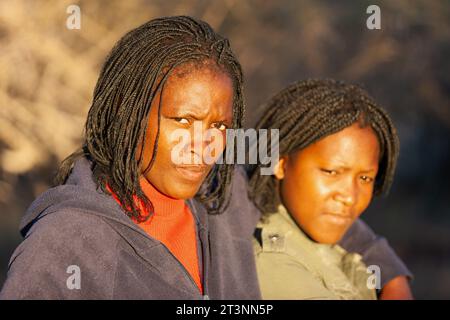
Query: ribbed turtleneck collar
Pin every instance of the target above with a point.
(164, 206)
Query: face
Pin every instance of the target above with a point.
(327, 185)
(190, 96)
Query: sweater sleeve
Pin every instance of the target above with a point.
(375, 250)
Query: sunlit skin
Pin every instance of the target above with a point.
(199, 94)
(396, 289)
(327, 185)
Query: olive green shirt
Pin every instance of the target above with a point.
(292, 266)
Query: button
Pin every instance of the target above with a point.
(275, 242)
(274, 237)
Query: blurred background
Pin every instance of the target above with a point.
(48, 73)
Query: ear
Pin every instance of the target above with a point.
(280, 168)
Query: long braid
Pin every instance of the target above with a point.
(307, 111)
(134, 72)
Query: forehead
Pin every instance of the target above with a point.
(192, 69)
(201, 77)
(189, 67)
(350, 146)
(198, 88)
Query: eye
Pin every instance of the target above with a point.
(220, 126)
(366, 179)
(329, 172)
(181, 120)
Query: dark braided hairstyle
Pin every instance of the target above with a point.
(310, 110)
(134, 72)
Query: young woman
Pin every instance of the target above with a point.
(127, 222)
(337, 149)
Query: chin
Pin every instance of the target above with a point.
(330, 240)
(326, 237)
(183, 192)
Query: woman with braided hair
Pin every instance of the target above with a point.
(337, 149)
(125, 221)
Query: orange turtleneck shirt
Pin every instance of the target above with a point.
(173, 225)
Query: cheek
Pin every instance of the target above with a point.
(324, 187)
(364, 200)
(314, 189)
(222, 138)
(163, 153)
(166, 143)
(307, 193)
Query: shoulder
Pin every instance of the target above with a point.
(241, 215)
(279, 235)
(241, 207)
(285, 262)
(70, 226)
(58, 245)
(282, 276)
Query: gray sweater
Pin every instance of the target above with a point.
(79, 244)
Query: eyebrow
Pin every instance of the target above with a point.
(368, 171)
(197, 118)
(346, 168)
(189, 114)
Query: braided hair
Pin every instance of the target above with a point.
(134, 72)
(307, 111)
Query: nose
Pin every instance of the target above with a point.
(201, 138)
(347, 192)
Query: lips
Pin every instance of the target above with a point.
(338, 218)
(192, 172)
